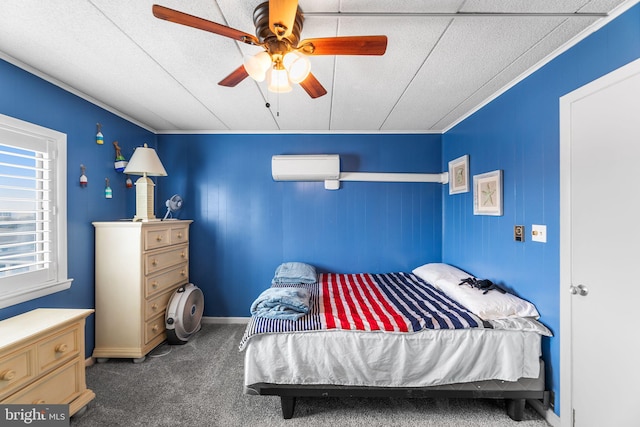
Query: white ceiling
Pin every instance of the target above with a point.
(437, 69)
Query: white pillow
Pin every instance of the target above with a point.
(490, 306)
(435, 272)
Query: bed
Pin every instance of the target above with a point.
(400, 334)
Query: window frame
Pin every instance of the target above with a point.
(16, 291)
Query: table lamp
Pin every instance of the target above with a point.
(145, 162)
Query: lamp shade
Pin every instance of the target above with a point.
(145, 161)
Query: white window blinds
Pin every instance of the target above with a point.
(32, 226)
(26, 224)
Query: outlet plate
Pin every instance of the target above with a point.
(539, 233)
(518, 233)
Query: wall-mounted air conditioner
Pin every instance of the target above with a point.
(326, 167)
(305, 167)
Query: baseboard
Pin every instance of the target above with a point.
(89, 361)
(547, 414)
(226, 320)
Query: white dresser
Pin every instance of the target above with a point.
(42, 358)
(138, 267)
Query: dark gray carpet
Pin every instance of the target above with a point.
(200, 384)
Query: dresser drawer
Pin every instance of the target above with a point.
(160, 260)
(61, 386)
(16, 369)
(153, 328)
(156, 305)
(158, 283)
(179, 235)
(58, 349)
(155, 238)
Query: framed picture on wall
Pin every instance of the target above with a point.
(487, 193)
(459, 175)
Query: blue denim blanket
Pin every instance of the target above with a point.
(293, 273)
(282, 303)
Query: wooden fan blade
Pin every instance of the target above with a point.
(313, 87)
(282, 15)
(238, 75)
(171, 15)
(351, 45)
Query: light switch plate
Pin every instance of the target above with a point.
(539, 233)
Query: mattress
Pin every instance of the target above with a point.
(382, 359)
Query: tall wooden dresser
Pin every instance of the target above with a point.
(138, 267)
(42, 358)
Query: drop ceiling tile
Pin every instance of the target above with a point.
(461, 63)
(520, 6)
(367, 88)
(401, 6)
(166, 75)
(514, 72)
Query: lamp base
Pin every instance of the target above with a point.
(144, 200)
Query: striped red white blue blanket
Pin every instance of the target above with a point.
(390, 302)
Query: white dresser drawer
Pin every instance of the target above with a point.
(153, 328)
(158, 283)
(155, 238)
(157, 305)
(179, 235)
(58, 349)
(61, 386)
(158, 261)
(17, 368)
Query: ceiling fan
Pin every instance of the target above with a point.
(284, 59)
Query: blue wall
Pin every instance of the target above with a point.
(519, 133)
(245, 224)
(29, 98)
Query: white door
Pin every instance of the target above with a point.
(600, 259)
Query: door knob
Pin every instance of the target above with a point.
(581, 290)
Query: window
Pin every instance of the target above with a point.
(33, 213)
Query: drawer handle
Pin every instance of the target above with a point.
(179, 235)
(183, 273)
(154, 262)
(39, 402)
(154, 285)
(183, 255)
(154, 328)
(61, 348)
(154, 307)
(159, 238)
(8, 375)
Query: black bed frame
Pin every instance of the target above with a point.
(515, 399)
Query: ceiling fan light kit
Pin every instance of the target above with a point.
(284, 59)
(257, 65)
(297, 65)
(278, 80)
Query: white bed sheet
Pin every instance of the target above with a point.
(376, 359)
